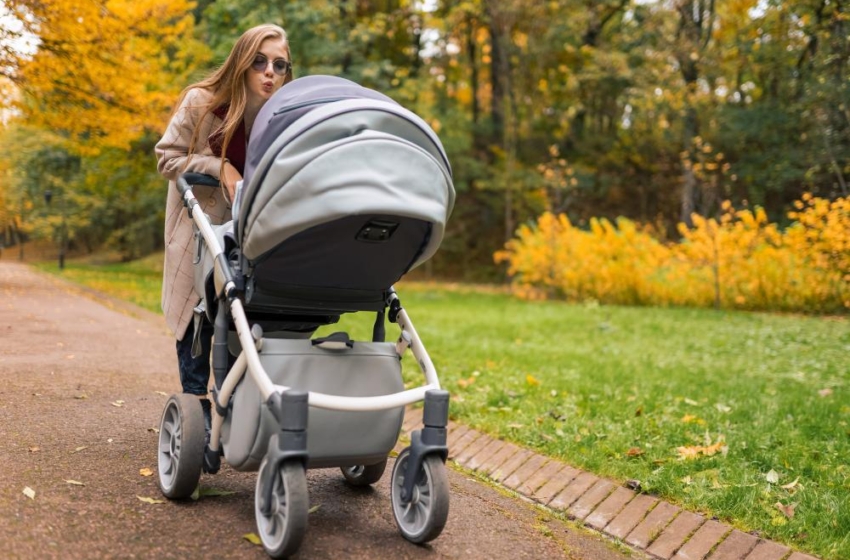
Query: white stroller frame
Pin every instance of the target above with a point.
(283, 531)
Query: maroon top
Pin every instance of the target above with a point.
(236, 148)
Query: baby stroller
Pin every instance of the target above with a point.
(344, 192)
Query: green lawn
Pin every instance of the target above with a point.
(629, 393)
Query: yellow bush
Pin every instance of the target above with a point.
(740, 260)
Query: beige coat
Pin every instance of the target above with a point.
(178, 293)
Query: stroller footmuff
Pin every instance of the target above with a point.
(344, 193)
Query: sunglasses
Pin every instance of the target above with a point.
(281, 66)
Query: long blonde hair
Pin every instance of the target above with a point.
(227, 83)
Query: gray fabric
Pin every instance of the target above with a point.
(348, 157)
(334, 438)
(292, 102)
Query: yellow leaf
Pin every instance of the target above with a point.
(145, 472)
(531, 380)
(150, 500)
(75, 483)
(29, 492)
(252, 538)
(80, 448)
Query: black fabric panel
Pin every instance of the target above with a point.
(331, 267)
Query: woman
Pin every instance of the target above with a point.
(208, 133)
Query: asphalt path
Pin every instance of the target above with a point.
(83, 379)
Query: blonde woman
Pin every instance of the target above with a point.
(208, 133)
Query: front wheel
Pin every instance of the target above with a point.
(283, 529)
(423, 517)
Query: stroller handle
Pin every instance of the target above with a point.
(186, 180)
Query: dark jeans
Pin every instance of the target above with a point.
(195, 372)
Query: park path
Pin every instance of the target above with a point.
(83, 379)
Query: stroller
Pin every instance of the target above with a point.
(344, 192)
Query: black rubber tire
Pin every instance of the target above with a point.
(364, 475)
(422, 519)
(283, 531)
(180, 456)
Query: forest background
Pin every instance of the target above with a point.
(654, 111)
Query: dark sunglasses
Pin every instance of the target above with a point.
(281, 66)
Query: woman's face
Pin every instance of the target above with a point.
(265, 76)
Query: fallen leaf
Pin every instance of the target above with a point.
(634, 452)
(689, 451)
(691, 402)
(252, 538)
(314, 509)
(75, 482)
(34, 448)
(81, 397)
(80, 448)
(791, 485)
(825, 392)
(633, 484)
(118, 404)
(150, 500)
(516, 426)
(531, 380)
(145, 472)
(690, 418)
(464, 383)
(212, 492)
(788, 510)
(772, 476)
(154, 430)
(29, 492)
(639, 411)
(722, 408)
(163, 393)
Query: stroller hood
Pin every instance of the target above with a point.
(326, 149)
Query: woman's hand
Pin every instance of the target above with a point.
(229, 178)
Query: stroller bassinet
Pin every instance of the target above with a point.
(344, 192)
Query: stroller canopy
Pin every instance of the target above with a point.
(324, 149)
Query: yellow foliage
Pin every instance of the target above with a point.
(106, 72)
(739, 260)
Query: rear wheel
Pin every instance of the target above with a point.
(283, 529)
(181, 446)
(364, 475)
(423, 517)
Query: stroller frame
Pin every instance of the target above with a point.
(282, 470)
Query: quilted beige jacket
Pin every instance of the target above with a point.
(178, 293)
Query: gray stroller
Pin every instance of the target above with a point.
(344, 192)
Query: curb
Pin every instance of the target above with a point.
(645, 523)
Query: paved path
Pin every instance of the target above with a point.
(82, 385)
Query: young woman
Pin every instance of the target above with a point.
(208, 133)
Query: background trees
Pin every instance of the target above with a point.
(649, 110)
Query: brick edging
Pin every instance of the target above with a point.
(643, 522)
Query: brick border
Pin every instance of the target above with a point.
(645, 523)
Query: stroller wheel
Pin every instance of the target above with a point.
(283, 529)
(364, 475)
(422, 518)
(181, 446)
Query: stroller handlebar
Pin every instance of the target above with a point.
(187, 180)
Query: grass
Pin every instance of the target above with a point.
(628, 393)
